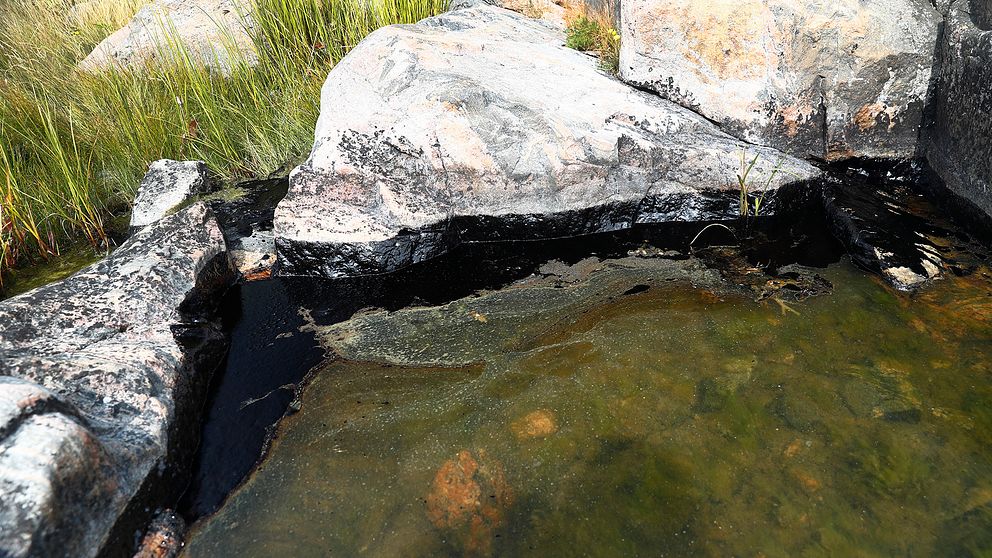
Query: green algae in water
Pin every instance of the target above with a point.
(57, 268)
(668, 422)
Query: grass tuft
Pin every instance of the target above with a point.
(582, 34)
(74, 145)
(750, 204)
(595, 31)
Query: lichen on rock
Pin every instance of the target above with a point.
(100, 377)
(831, 80)
(167, 185)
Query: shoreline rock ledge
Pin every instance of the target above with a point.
(479, 124)
(101, 379)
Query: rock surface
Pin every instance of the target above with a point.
(554, 12)
(549, 11)
(831, 80)
(166, 185)
(254, 256)
(981, 13)
(212, 31)
(960, 144)
(49, 461)
(480, 125)
(98, 373)
(465, 331)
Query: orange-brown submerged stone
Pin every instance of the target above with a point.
(469, 497)
(259, 275)
(164, 538)
(537, 424)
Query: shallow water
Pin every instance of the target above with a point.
(71, 260)
(673, 420)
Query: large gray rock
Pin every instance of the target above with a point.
(166, 185)
(479, 125)
(95, 383)
(213, 32)
(828, 79)
(960, 145)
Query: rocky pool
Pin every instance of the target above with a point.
(649, 404)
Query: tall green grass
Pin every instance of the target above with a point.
(74, 145)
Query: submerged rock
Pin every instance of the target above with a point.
(480, 125)
(960, 144)
(167, 184)
(713, 393)
(832, 80)
(970, 532)
(99, 376)
(882, 392)
(164, 538)
(469, 498)
(567, 274)
(537, 424)
(453, 335)
(211, 31)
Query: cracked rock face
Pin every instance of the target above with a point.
(210, 30)
(97, 374)
(480, 125)
(167, 184)
(832, 80)
(961, 141)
